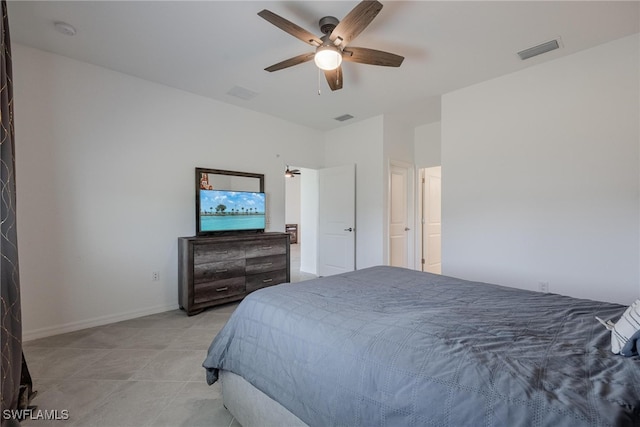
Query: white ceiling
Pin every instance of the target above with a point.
(210, 47)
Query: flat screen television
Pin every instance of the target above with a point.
(221, 211)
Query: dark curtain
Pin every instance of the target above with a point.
(16, 381)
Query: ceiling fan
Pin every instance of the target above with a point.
(332, 48)
(291, 173)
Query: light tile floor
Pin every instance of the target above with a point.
(140, 372)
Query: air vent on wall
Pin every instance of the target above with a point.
(539, 49)
(343, 117)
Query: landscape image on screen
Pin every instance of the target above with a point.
(222, 210)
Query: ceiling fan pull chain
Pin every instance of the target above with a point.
(319, 81)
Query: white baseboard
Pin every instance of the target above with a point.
(96, 321)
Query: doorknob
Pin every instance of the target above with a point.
(407, 229)
(348, 229)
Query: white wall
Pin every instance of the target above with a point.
(427, 145)
(308, 228)
(292, 200)
(362, 143)
(398, 141)
(541, 176)
(105, 183)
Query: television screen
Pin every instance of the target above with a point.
(223, 210)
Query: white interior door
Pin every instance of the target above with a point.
(336, 222)
(431, 230)
(398, 217)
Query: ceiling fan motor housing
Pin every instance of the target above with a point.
(328, 23)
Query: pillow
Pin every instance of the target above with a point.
(625, 333)
(631, 347)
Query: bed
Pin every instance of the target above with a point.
(387, 346)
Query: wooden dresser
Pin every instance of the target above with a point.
(216, 270)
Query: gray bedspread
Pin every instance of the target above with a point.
(386, 346)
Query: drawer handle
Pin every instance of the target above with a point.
(222, 271)
(264, 248)
(267, 281)
(222, 289)
(222, 253)
(267, 264)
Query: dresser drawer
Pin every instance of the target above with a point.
(203, 292)
(277, 247)
(218, 270)
(265, 263)
(206, 253)
(257, 281)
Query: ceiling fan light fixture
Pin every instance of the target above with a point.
(328, 57)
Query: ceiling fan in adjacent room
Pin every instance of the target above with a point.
(291, 173)
(332, 48)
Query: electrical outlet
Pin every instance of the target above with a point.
(155, 276)
(543, 287)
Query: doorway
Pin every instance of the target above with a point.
(301, 217)
(323, 247)
(400, 215)
(431, 207)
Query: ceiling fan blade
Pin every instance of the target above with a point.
(364, 55)
(334, 78)
(291, 62)
(355, 21)
(290, 27)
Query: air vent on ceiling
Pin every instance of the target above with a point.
(64, 28)
(343, 117)
(242, 93)
(539, 49)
